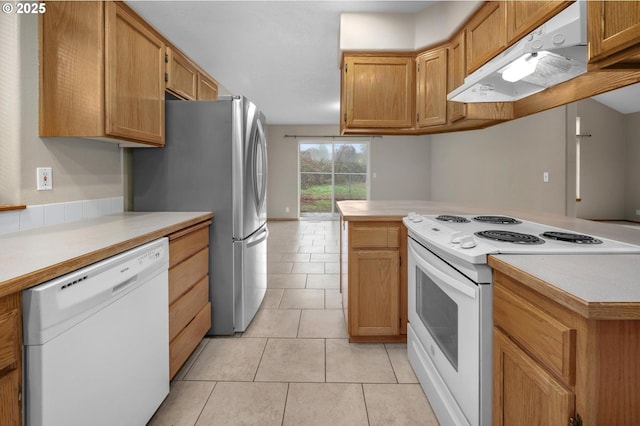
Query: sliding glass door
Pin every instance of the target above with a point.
(330, 172)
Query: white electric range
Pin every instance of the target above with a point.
(449, 336)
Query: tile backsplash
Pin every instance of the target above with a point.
(51, 214)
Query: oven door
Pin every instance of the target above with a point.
(444, 315)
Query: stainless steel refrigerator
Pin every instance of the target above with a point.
(215, 159)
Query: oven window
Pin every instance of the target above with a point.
(439, 313)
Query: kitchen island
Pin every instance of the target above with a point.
(32, 257)
(566, 328)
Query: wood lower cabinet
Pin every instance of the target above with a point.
(374, 281)
(189, 305)
(551, 363)
(524, 392)
(11, 360)
(378, 91)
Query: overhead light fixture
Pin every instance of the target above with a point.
(521, 67)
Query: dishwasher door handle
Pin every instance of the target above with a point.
(119, 287)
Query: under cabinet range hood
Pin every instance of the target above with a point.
(553, 53)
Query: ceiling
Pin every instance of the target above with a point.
(281, 54)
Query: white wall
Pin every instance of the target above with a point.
(602, 161)
(403, 31)
(632, 176)
(82, 169)
(502, 166)
(401, 165)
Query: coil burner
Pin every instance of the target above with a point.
(571, 237)
(509, 237)
(452, 219)
(497, 220)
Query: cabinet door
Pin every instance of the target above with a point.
(182, 76)
(486, 35)
(612, 27)
(207, 88)
(525, 16)
(374, 292)
(134, 77)
(432, 88)
(456, 72)
(379, 92)
(524, 393)
(10, 360)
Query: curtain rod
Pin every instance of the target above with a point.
(332, 137)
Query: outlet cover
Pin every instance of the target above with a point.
(44, 179)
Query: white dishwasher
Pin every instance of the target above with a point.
(97, 342)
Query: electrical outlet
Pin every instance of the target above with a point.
(545, 177)
(286, 209)
(638, 212)
(44, 179)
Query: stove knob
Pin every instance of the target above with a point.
(467, 242)
(456, 237)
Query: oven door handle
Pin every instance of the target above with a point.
(442, 276)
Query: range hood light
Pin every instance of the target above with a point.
(520, 68)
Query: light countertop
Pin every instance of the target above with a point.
(38, 255)
(594, 286)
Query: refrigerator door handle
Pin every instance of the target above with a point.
(258, 237)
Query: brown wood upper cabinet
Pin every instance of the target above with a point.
(614, 33)
(182, 75)
(525, 16)
(207, 88)
(431, 80)
(486, 34)
(186, 81)
(102, 73)
(456, 72)
(378, 91)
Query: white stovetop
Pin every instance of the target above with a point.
(443, 235)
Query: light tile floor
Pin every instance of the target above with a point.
(294, 364)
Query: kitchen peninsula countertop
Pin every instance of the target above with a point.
(594, 286)
(35, 256)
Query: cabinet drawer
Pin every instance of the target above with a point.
(9, 332)
(187, 245)
(187, 306)
(375, 236)
(188, 339)
(185, 274)
(548, 340)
